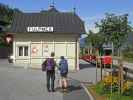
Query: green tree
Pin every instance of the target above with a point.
(6, 16)
(114, 29)
(94, 40)
(6, 13)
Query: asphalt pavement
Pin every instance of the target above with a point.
(29, 84)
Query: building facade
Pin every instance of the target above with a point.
(36, 35)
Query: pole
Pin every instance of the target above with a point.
(97, 57)
(111, 67)
(121, 78)
(111, 80)
(101, 68)
(96, 69)
(121, 74)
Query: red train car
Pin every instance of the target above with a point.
(105, 58)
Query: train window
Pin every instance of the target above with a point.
(108, 52)
(86, 51)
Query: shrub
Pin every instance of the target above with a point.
(128, 92)
(128, 54)
(100, 88)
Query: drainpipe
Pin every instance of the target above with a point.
(77, 54)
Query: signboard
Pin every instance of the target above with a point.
(34, 50)
(40, 29)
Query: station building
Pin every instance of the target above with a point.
(36, 35)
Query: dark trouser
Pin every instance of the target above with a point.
(50, 77)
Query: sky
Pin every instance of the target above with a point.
(90, 11)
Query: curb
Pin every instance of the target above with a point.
(88, 93)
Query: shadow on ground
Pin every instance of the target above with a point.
(71, 88)
(83, 66)
(74, 88)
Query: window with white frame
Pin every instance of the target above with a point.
(22, 50)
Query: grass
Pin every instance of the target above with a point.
(128, 59)
(119, 97)
(128, 56)
(96, 96)
(99, 93)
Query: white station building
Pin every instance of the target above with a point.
(36, 35)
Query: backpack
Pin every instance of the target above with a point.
(50, 64)
(63, 67)
(44, 66)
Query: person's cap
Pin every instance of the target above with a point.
(62, 57)
(52, 54)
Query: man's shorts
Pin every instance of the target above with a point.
(64, 75)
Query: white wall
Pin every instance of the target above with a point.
(61, 44)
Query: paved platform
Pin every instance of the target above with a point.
(28, 84)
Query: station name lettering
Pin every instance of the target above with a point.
(40, 29)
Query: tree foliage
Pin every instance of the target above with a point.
(6, 16)
(6, 13)
(94, 39)
(114, 29)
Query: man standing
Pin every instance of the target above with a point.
(49, 65)
(63, 67)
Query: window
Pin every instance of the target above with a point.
(23, 50)
(20, 51)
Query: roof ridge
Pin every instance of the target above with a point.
(46, 11)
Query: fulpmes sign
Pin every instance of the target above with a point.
(40, 29)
